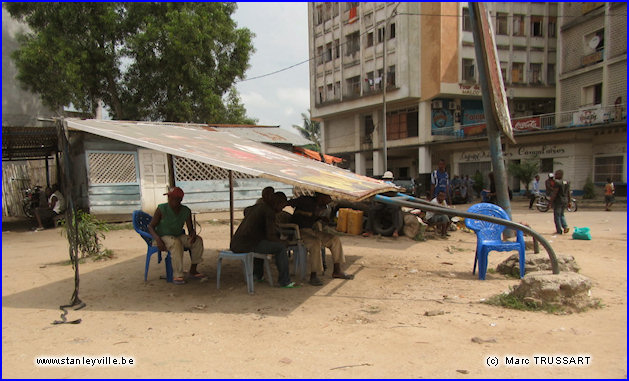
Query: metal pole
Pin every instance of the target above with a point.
(384, 95)
(493, 133)
(231, 204)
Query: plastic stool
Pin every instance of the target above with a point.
(247, 260)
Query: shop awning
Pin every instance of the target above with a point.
(229, 151)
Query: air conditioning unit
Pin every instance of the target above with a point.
(521, 107)
(437, 104)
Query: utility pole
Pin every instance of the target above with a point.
(384, 88)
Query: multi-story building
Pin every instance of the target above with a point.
(592, 88)
(432, 99)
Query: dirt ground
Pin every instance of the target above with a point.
(371, 327)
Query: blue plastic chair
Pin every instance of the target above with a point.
(141, 221)
(489, 237)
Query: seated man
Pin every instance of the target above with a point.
(308, 210)
(56, 206)
(440, 221)
(258, 233)
(267, 197)
(166, 227)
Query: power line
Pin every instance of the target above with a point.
(380, 23)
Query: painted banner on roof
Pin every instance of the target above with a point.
(229, 151)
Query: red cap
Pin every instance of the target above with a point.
(175, 192)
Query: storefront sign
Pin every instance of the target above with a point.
(589, 116)
(474, 156)
(469, 89)
(545, 150)
(528, 124)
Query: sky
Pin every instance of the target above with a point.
(281, 40)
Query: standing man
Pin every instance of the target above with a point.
(559, 200)
(440, 181)
(534, 192)
(258, 233)
(166, 227)
(308, 210)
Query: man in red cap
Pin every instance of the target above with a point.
(166, 227)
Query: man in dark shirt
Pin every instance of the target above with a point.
(258, 233)
(559, 199)
(308, 211)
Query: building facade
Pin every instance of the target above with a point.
(432, 98)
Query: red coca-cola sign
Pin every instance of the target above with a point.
(528, 124)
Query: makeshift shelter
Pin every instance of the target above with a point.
(116, 177)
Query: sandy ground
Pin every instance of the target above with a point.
(372, 326)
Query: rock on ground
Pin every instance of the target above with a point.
(567, 290)
(536, 262)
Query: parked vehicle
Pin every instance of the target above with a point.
(31, 200)
(542, 203)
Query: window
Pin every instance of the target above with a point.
(335, 9)
(320, 91)
(392, 31)
(391, 76)
(380, 34)
(330, 94)
(517, 72)
(468, 70)
(552, 27)
(536, 73)
(378, 80)
(402, 124)
(550, 74)
(368, 18)
(609, 166)
(536, 26)
(546, 166)
(369, 82)
(369, 127)
(502, 23)
(503, 70)
(467, 23)
(369, 39)
(349, 6)
(518, 25)
(328, 52)
(319, 55)
(319, 15)
(353, 43)
(353, 86)
(595, 42)
(337, 49)
(592, 95)
(337, 89)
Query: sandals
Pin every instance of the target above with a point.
(198, 276)
(291, 285)
(179, 281)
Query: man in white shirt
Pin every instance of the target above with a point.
(534, 192)
(56, 206)
(441, 222)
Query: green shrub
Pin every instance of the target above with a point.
(589, 191)
(90, 231)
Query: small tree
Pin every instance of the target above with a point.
(90, 232)
(311, 130)
(524, 171)
(589, 191)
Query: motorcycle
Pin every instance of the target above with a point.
(542, 203)
(31, 200)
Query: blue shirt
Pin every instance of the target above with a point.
(441, 182)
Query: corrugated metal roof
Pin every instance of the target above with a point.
(21, 143)
(265, 134)
(224, 149)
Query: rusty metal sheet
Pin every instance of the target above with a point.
(229, 151)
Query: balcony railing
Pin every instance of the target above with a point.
(586, 116)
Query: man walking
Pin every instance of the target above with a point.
(534, 192)
(559, 199)
(440, 181)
